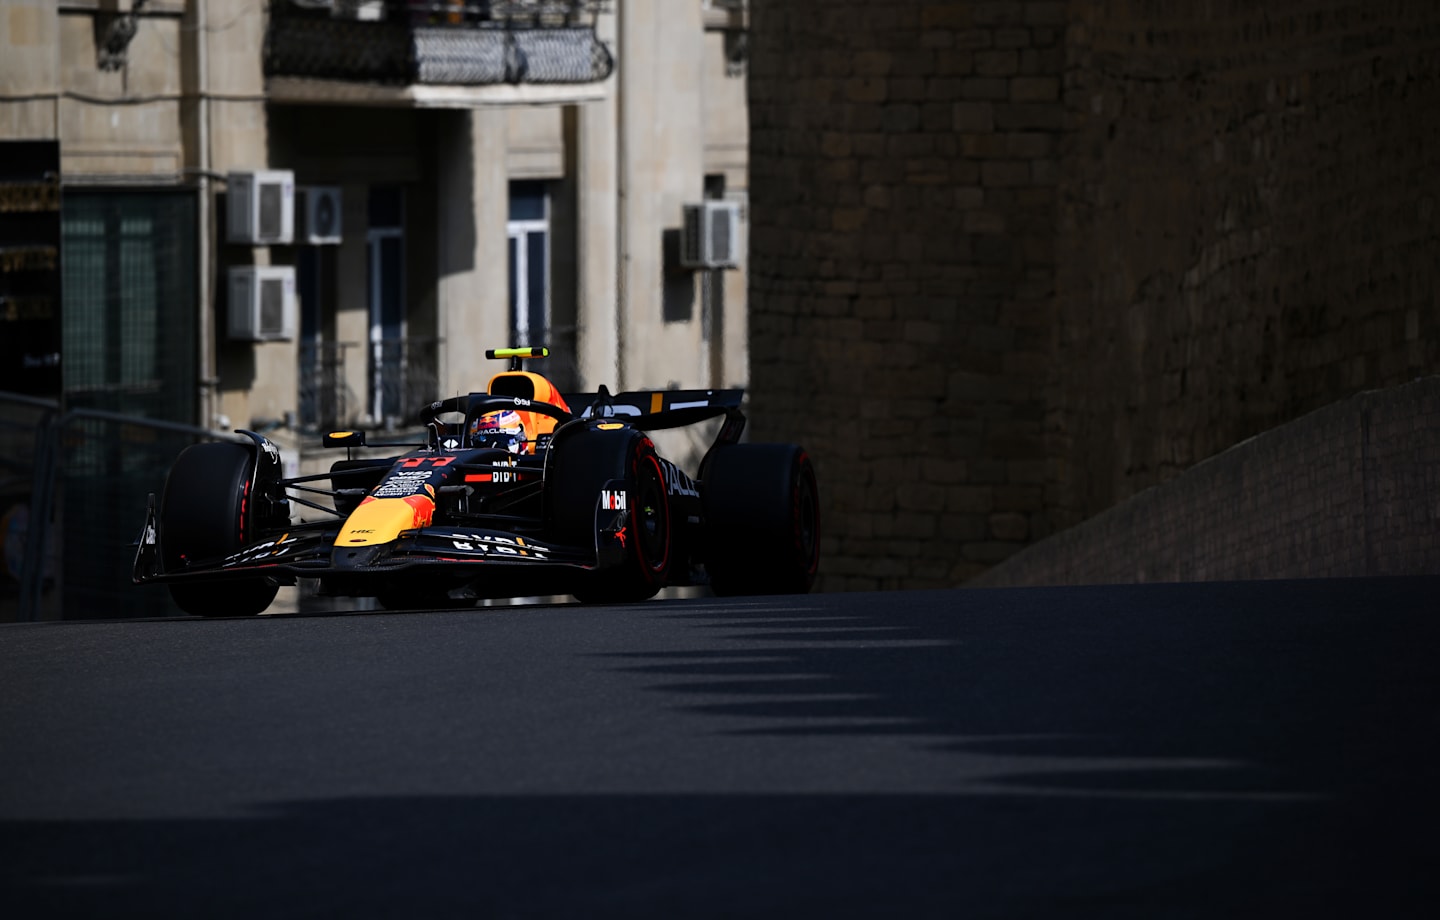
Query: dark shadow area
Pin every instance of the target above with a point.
(1227, 750)
(910, 856)
(678, 291)
(1311, 707)
(1261, 673)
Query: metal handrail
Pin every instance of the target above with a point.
(42, 496)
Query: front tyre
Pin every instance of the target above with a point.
(762, 519)
(243, 597)
(204, 514)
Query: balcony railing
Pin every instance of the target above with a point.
(401, 377)
(404, 378)
(326, 400)
(469, 43)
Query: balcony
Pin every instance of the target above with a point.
(325, 396)
(399, 379)
(435, 53)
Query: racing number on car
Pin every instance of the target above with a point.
(411, 463)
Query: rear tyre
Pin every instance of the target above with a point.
(204, 514)
(762, 520)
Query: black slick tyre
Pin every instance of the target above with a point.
(204, 513)
(762, 520)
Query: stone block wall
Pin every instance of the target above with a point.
(1349, 490)
(1014, 261)
(902, 272)
(1248, 226)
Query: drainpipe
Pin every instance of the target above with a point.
(622, 190)
(205, 289)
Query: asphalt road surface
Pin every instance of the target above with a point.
(1220, 750)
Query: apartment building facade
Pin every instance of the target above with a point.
(307, 213)
(293, 215)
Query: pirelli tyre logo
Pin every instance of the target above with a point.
(612, 500)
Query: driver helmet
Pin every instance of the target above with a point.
(502, 430)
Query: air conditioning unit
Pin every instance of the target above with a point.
(262, 207)
(319, 215)
(710, 236)
(262, 303)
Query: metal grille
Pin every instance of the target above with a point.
(106, 469)
(558, 56)
(270, 209)
(325, 399)
(73, 490)
(272, 306)
(337, 49)
(21, 420)
(438, 43)
(129, 309)
(693, 239)
(722, 247)
(470, 57)
(405, 378)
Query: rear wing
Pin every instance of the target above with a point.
(654, 410)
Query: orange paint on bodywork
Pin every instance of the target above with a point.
(424, 507)
(380, 520)
(528, 385)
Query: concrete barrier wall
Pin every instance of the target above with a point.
(1351, 489)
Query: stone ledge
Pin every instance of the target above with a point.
(1352, 489)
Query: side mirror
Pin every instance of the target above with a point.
(344, 439)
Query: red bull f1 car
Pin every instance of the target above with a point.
(515, 491)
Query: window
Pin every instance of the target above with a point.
(385, 263)
(323, 393)
(529, 233)
(129, 311)
(128, 288)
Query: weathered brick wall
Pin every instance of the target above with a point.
(1248, 226)
(1014, 261)
(1352, 489)
(902, 271)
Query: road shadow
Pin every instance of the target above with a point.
(1314, 684)
(690, 856)
(1162, 751)
(1308, 711)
